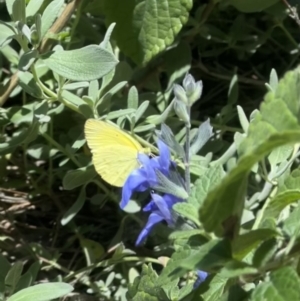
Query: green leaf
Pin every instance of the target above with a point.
(50, 13)
(292, 182)
(167, 273)
(188, 211)
(13, 276)
(204, 133)
(199, 164)
(29, 277)
(234, 293)
(187, 237)
(75, 86)
(79, 142)
(6, 35)
(276, 125)
(76, 104)
(41, 151)
(288, 193)
(144, 287)
(27, 59)
(210, 178)
(93, 90)
(25, 113)
(171, 290)
(132, 207)
(273, 80)
(25, 281)
(144, 128)
(133, 98)
(215, 291)
(278, 203)
(210, 256)
(141, 110)
(233, 92)
(101, 104)
(25, 135)
(39, 249)
(106, 41)
(84, 64)
(119, 113)
(264, 252)
(75, 208)
(291, 225)
(185, 233)
(29, 85)
(184, 291)
(5, 267)
(283, 285)
(149, 25)
(278, 113)
(9, 5)
(236, 268)
(93, 251)
(166, 135)
(78, 177)
(33, 7)
(251, 6)
(243, 121)
(280, 154)
(19, 11)
(42, 292)
(24, 30)
(245, 243)
(122, 72)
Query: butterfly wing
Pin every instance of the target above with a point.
(114, 151)
(115, 163)
(102, 134)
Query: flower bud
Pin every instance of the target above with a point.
(181, 111)
(180, 93)
(196, 93)
(34, 36)
(189, 83)
(193, 89)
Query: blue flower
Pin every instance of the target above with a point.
(160, 206)
(201, 276)
(161, 210)
(145, 177)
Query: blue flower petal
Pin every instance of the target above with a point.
(201, 276)
(163, 161)
(151, 206)
(164, 156)
(162, 206)
(153, 219)
(137, 181)
(167, 201)
(144, 178)
(148, 167)
(170, 200)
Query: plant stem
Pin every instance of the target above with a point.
(110, 262)
(60, 148)
(226, 156)
(187, 153)
(50, 179)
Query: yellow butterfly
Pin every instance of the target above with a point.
(115, 153)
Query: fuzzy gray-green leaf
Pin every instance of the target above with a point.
(83, 64)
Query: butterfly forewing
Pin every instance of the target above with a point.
(114, 151)
(115, 171)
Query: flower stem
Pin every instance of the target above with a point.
(187, 153)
